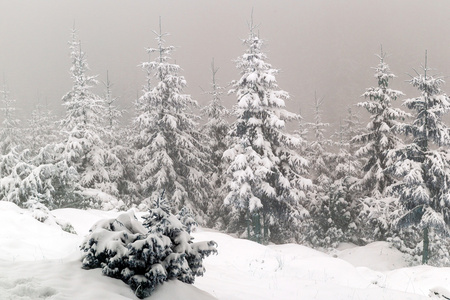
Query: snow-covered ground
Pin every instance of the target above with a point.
(40, 261)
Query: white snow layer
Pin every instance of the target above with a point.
(38, 261)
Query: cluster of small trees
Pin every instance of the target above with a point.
(384, 181)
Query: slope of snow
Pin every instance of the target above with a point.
(376, 256)
(38, 261)
(291, 272)
(23, 238)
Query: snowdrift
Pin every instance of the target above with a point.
(39, 261)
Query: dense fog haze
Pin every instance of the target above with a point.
(326, 46)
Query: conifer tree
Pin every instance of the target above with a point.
(9, 130)
(341, 207)
(319, 158)
(335, 208)
(346, 163)
(145, 255)
(41, 129)
(317, 152)
(265, 177)
(112, 114)
(84, 147)
(381, 136)
(216, 128)
(168, 143)
(423, 164)
(119, 141)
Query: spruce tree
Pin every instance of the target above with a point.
(335, 207)
(381, 136)
(341, 207)
(265, 177)
(83, 125)
(117, 139)
(317, 150)
(112, 114)
(167, 142)
(145, 255)
(216, 128)
(320, 158)
(346, 163)
(41, 129)
(379, 140)
(9, 132)
(423, 165)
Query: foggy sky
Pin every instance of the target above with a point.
(326, 46)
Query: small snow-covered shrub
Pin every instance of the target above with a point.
(186, 218)
(41, 213)
(147, 254)
(38, 210)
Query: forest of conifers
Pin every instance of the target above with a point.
(242, 170)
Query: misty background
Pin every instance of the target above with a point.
(323, 46)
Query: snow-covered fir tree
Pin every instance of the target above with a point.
(216, 129)
(350, 127)
(345, 161)
(9, 131)
(120, 145)
(112, 114)
(423, 165)
(127, 184)
(341, 206)
(334, 207)
(168, 143)
(317, 150)
(265, 177)
(145, 255)
(41, 129)
(381, 138)
(83, 125)
(320, 158)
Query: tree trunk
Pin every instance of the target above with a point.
(266, 228)
(249, 223)
(426, 243)
(257, 226)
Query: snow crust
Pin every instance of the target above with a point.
(39, 261)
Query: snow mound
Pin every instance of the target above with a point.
(67, 281)
(247, 270)
(24, 288)
(177, 290)
(23, 238)
(378, 256)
